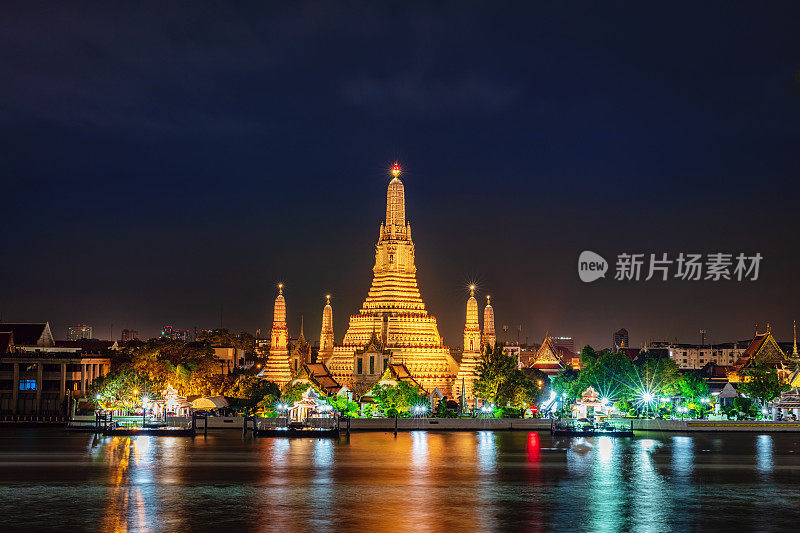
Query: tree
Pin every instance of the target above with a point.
(496, 376)
(655, 375)
(295, 392)
(124, 389)
(344, 406)
(397, 398)
(567, 382)
(502, 383)
(691, 386)
(252, 390)
(762, 383)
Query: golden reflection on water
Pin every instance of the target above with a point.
(419, 481)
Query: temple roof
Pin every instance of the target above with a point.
(763, 348)
(29, 334)
(6, 342)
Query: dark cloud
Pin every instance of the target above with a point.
(164, 159)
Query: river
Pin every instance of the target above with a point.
(420, 481)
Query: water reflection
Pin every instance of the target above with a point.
(133, 494)
(416, 481)
(682, 457)
(765, 461)
(648, 489)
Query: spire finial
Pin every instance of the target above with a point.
(396, 169)
(488, 300)
(301, 325)
(280, 288)
(328, 297)
(472, 290)
(794, 326)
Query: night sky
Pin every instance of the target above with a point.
(165, 162)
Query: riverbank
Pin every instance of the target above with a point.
(481, 424)
(521, 424)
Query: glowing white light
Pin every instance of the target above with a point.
(604, 401)
(647, 397)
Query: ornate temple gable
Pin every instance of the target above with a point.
(373, 346)
(548, 354)
(762, 348)
(317, 374)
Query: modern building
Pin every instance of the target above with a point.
(129, 335)
(168, 332)
(38, 376)
(81, 331)
(696, 356)
(567, 343)
(621, 339)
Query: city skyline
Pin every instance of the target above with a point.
(196, 183)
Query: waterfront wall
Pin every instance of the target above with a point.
(500, 424)
(716, 425)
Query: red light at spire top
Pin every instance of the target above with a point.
(396, 169)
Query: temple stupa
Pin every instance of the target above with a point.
(393, 325)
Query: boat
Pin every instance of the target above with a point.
(590, 430)
(294, 429)
(151, 431)
(305, 432)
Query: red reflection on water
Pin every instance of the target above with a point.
(534, 447)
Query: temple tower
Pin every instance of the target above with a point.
(277, 368)
(470, 357)
(394, 312)
(326, 333)
(489, 336)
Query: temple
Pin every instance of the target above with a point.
(393, 325)
(326, 333)
(471, 355)
(489, 337)
(277, 368)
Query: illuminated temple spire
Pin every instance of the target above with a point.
(472, 330)
(471, 353)
(326, 333)
(395, 202)
(394, 312)
(277, 368)
(489, 336)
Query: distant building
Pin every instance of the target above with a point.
(81, 331)
(696, 356)
(176, 334)
(621, 339)
(39, 374)
(129, 335)
(565, 342)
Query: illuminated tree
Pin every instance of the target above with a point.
(400, 397)
(762, 383)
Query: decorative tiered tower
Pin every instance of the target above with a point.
(326, 334)
(472, 351)
(277, 368)
(394, 313)
(488, 324)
